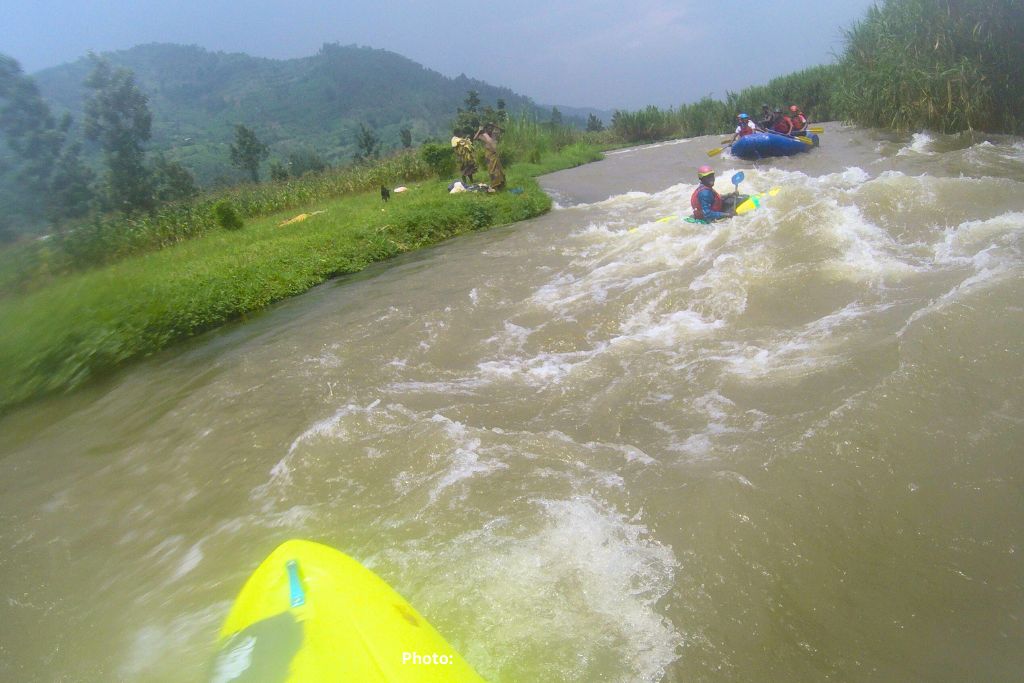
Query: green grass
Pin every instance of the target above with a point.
(86, 324)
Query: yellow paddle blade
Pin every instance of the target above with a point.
(805, 140)
(816, 129)
(716, 151)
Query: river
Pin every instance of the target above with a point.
(588, 447)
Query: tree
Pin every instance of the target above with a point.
(367, 144)
(556, 117)
(469, 120)
(247, 152)
(406, 136)
(117, 116)
(173, 182)
(594, 124)
(278, 171)
(71, 192)
(305, 161)
(35, 138)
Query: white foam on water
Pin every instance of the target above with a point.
(463, 456)
(852, 178)
(817, 346)
(919, 144)
(572, 566)
(870, 254)
(539, 370)
(962, 243)
(281, 478)
(988, 269)
(665, 330)
(721, 418)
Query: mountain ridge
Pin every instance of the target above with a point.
(313, 103)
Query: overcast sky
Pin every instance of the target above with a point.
(609, 55)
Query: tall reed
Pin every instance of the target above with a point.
(944, 65)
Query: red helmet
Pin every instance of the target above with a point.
(705, 171)
(794, 108)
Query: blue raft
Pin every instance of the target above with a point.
(758, 145)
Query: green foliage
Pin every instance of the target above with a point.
(117, 116)
(471, 119)
(248, 152)
(172, 181)
(36, 140)
(936, 64)
(439, 158)
(367, 144)
(71, 194)
(227, 216)
(594, 124)
(303, 161)
(278, 171)
(406, 135)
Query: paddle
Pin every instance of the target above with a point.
(716, 151)
(736, 179)
(801, 138)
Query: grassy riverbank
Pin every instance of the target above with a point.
(85, 324)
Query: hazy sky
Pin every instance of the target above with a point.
(597, 53)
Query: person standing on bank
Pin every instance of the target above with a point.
(465, 156)
(488, 134)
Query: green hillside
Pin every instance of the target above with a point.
(313, 103)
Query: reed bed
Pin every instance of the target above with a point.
(942, 65)
(811, 89)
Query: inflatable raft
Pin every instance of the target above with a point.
(758, 145)
(310, 613)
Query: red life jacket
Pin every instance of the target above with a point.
(747, 128)
(785, 125)
(799, 122)
(698, 212)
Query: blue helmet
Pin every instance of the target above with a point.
(743, 116)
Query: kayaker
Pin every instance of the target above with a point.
(745, 127)
(706, 203)
(783, 124)
(798, 120)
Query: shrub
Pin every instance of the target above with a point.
(226, 215)
(440, 158)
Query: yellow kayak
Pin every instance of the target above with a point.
(754, 201)
(311, 613)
